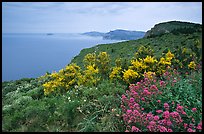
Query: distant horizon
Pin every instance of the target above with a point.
(80, 17)
(94, 30)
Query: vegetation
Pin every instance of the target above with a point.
(146, 85)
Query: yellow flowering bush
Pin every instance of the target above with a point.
(169, 56)
(115, 74)
(192, 65)
(63, 80)
(143, 52)
(89, 59)
(90, 77)
(103, 62)
(150, 60)
(129, 75)
(150, 75)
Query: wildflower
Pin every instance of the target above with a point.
(166, 105)
(199, 126)
(190, 130)
(161, 83)
(184, 113)
(162, 129)
(154, 87)
(169, 123)
(132, 100)
(169, 130)
(192, 65)
(84, 100)
(158, 101)
(152, 123)
(166, 114)
(129, 111)
(135, 129)
(129, 74)
(127, 131)
(194, 109)
(159, 111)
(143, 99)
(156, 118)
(185, 125)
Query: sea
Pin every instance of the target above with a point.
(31, 55)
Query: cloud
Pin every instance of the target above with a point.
(99, 16)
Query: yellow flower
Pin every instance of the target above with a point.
(115, 73)
(150, 60)
(169, 55)
(192, 65)
(164, 61)
(149, 75)
(130, 75)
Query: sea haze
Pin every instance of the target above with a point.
(32, 55)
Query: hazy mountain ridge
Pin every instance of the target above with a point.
(118, 34)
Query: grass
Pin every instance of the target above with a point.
(93, 108)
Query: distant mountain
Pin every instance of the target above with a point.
(124, 35)
(174, 27)
(93, 33)
(118, 34)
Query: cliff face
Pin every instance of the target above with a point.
(174, 27)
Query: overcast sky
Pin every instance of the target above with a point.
(77, 17)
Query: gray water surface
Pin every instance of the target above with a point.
(32, 55)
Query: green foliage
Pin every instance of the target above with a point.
(86, 100)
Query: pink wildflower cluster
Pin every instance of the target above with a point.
(152, 122)
(165, 119)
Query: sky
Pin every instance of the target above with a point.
(78, 17)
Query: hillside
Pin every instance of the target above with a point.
(127, 49)
(174, 27)
(159, 77)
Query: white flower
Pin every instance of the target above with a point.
(68, 98)
(84, 100)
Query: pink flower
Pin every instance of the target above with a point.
(154, 87)
(132, 100)
(169, 130)
(143, 99)
(159, 111)
(166, 114)
(194, 109)
(142, 109)
(185, 125)
(161, 83)
(166, 106)
(168, 123)
(184, 113)
(174, 81)
(199, 127)
(190, 130)
(158, 101)
(156, 118)
(152, 123)
(127, 131)
(129, 111)
(135, 129)
(191, 125)
(162, 129)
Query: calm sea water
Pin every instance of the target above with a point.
(32, 55)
